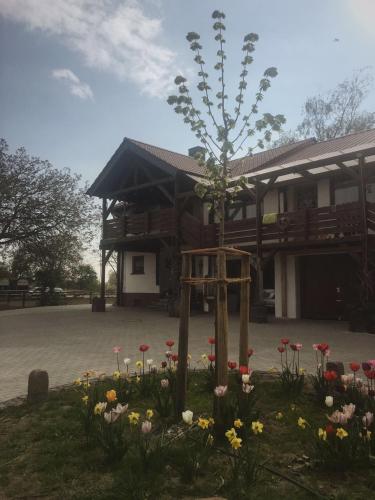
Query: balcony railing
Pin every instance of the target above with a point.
(325, 223)
(313, 224)
(145, 224)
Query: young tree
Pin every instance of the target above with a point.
(230, 129)
(39, 202)
(223, 136)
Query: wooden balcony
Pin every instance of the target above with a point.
(141, 226)
(315, 226)
(338, 222)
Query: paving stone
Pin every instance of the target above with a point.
(66, 340)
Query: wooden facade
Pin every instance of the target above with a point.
(296, 206)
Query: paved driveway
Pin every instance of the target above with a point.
(66, 340)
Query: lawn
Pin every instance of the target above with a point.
(45, 452)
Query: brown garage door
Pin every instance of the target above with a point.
(329, 284)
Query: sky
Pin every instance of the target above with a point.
(77, 76)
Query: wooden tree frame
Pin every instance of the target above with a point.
(221, 324)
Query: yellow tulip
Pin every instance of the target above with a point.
(111, 395)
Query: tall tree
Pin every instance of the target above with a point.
(39, 202)
(228, 131)
(336, 113)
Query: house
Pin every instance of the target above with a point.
(307, 217)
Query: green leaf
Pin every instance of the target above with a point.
(179, 79)
(271, 72)
(251, 37)
(191, 36)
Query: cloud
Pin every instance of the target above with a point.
(76, 87)
(363, 13)
(110, 35)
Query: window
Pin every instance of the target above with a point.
(138, 264)
(346, 194)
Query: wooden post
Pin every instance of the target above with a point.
(222, 322)
(244, 310)
(103, 261)
(259, 282)
(183, 337)
(284, 285)
(363, 204)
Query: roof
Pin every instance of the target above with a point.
(177, 160)
(272, 160)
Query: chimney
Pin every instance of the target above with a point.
(197, 150)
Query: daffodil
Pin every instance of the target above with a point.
(257, 427)
(341, 433)
(322, 434)
(86, 385)
(133, 418)
(149, 414)
(203, 423)
(211, 421)
(236, 443)
(293, 407)
(302, 423)
(204, 357)
(279, 415)
(137, 379)
(210, 439)
(116, 375)
(238, 423)
(139, 364)
(85, 399)
(78, 381)
(99, 408)
(231, 434)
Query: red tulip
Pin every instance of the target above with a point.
(281, 349)
(174, 357)
(211, 340)
(285, 341)
(163, 364)
(250, 352)
(323, 347)
(170, 343)
(244, 370)
(330, 429)
(144, 347)
(232, 365)
(330, 375)
(211, 357)
(370, 374)
(355, 366)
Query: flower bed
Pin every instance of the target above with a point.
(117, 436)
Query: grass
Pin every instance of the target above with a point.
(43, 454)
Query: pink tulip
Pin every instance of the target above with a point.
(146, 427)
(116, 349)
(220, 390)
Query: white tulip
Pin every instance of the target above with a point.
(127, 361)
(245, 378)
(329, 401)
(149, 362)
(187, 417)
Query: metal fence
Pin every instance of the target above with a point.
(15, 299)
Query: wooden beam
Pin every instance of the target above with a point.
(131, 189)
(284, 286)
(221, 345)
(158, 185)
(183, 337)
(348, 170)
(103, 261)
(244, 311)
(111, 205)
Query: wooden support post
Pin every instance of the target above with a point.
(221, 344)
(284, 286)
(363, 203)
(244, 310)
(103, 260)
(183, 337)
(259, 282)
